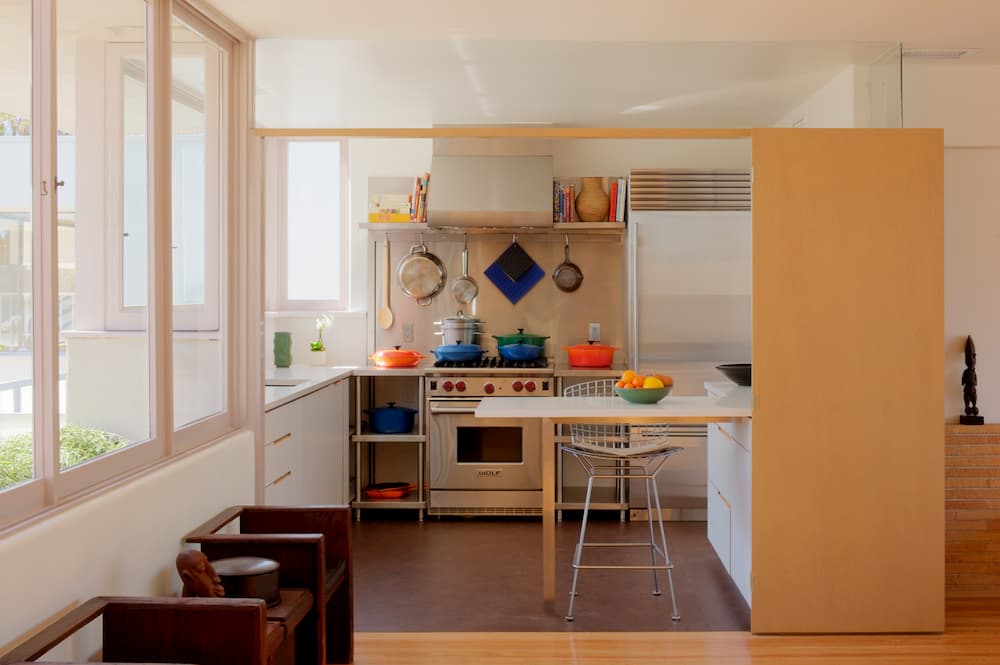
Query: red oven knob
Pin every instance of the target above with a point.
(460, 386)
(489, 388)
(447, 385)
(517, 386)
(530, 386)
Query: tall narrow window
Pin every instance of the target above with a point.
(104, 401)
(309, 191)
(199, 208)
(17, 457)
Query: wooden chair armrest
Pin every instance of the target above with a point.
(47, 638)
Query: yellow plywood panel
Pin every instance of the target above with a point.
(848, 321)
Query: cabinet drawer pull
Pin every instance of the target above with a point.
(283, 437)
(725, 433)
(280, 479)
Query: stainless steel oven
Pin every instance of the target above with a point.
(482, 466)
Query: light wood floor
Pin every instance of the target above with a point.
(972, 636)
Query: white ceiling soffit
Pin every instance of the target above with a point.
(307, 83)
(956, 23)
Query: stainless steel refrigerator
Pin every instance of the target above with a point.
(689, 290)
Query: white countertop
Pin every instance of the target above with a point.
(735, 404)
(302, 380)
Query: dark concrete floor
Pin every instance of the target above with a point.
(484, 574)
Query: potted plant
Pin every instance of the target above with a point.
(317, 350)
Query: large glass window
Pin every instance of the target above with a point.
(17, 455)
(97, 371)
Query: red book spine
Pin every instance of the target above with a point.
(613, 201)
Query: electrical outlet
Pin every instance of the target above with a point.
(408, 332)
(594, 332)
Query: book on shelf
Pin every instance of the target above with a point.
(620, 201)
(612, 200)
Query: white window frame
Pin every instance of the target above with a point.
(51, 485)
(204, 317)
(276, 215)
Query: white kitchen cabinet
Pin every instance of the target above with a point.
(324, 444)
(305, 449)
(729, 499)
(283, 455)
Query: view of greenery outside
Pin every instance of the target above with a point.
(76, 444)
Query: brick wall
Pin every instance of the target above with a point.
(972, 511)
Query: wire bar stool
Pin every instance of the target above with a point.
(624, 452)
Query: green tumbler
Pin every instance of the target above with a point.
(282, 349)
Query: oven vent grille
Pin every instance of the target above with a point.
(485, 510)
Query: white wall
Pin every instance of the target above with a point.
(122, 542)
(832, 105)
(965, 100)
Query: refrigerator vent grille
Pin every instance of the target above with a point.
(689, 189)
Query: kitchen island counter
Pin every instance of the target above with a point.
(736, 404)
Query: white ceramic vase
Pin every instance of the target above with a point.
(317, 358)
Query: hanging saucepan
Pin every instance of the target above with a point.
(421, 274)
(567, 274)
(465, 288)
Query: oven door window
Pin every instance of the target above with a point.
(490, 445)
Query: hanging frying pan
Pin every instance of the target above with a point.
(465, 288)
(567, 274)
(421, 274)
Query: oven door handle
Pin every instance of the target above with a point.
(454, 407)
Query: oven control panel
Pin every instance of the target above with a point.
(489, 386)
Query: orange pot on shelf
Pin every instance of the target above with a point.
(396, 357)
(591, 355)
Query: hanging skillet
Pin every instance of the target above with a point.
(567, 274)
(421, 274)
(465, 288)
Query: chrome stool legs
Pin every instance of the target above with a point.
(652, 502)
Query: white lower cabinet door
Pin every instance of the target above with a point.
(720, 525)
(283, 455)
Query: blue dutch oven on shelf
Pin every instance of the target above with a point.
(392, 419)
(458, 352)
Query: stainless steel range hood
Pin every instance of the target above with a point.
(490, 190)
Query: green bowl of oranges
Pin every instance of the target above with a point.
(643, 388)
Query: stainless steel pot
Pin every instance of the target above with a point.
(459, 329)
(421, 274)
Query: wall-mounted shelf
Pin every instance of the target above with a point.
(555, 233)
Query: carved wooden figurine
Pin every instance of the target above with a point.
(971, 416)
(198, 575)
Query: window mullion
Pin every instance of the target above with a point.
(158, 90)
(45, 273)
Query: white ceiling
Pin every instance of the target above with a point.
(965, 23)
(626, 63)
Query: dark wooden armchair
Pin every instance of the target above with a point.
(205, 631)
(312, 546)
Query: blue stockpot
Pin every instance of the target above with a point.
(520, 351)
(392, 419)
(458, 352)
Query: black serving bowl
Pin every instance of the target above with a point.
(738, 373)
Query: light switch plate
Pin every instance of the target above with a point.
(408, 332)
(594, 332)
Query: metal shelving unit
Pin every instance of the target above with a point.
(365, 444)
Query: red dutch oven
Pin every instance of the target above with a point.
(591, 355)
(396, 357)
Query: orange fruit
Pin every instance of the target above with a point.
(620, 384)
(667, 381)
(627, 376)
(638, 380)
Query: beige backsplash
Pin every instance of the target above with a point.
(544, 310)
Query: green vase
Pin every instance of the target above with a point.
(282, 349)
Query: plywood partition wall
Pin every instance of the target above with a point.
(848, 321)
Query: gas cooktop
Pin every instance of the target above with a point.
(494, 362)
